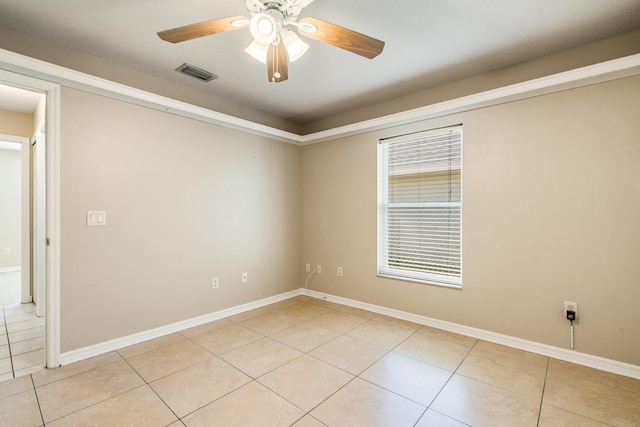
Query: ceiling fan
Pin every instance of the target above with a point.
(274, 41)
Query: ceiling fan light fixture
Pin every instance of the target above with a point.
(258, 51)
(275, 43)
(294, 44)
(263, 28)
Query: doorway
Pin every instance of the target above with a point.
(23, 196)
(50, 113)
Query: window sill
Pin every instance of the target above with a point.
(421, 281)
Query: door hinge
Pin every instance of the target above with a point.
(47, 241)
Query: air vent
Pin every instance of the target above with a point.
(196, 73)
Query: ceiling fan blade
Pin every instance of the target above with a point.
(277, 66)
(194, 31)
(341, 37)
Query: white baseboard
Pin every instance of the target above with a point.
(10, 269)
(105, 347)
(572, 356)
(584, 359)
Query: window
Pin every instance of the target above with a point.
(420, 206)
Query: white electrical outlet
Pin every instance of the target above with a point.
(307, 267)
(245, 277)
(570, 306)
(319, 269)
(215, 283)
(6, 251)
(339, 272)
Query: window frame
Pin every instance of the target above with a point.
(383, 269)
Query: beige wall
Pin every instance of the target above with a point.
(550, 213)
(10, 209)
(185, 201)
(16, 124)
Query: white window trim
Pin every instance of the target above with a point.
(382, 249)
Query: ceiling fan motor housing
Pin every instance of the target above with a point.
(287, 9)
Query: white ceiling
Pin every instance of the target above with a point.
(428, 42)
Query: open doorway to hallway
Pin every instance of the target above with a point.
(22, 325)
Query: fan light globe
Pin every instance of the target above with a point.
(258, 51)
(295, 46)
(263, 28)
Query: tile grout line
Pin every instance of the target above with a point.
(190, 339)
(544, 386)
(388, 351)
(252, 379)
(104, 400)
(33, 384)
(255, 380)
(6, 329)
(565, 409)
(358, 376)
(147, 384)
(447, 382)
(548, 362)
(426, 407)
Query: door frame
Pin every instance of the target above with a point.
(38, 220)
(52, 185)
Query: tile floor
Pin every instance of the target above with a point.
(21, 332)
(306, 362)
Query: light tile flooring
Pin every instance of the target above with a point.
(21, 332)
(308, 363)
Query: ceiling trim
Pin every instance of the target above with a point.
(21, 64)
(592, 74)
(584, 76)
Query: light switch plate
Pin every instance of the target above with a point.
(96, 218)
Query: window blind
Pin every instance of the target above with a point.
(420, 206)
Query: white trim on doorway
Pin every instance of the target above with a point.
(52, 290)
(52, 279)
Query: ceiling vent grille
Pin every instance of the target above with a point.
(196, 73)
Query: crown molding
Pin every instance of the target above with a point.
(584, 76)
